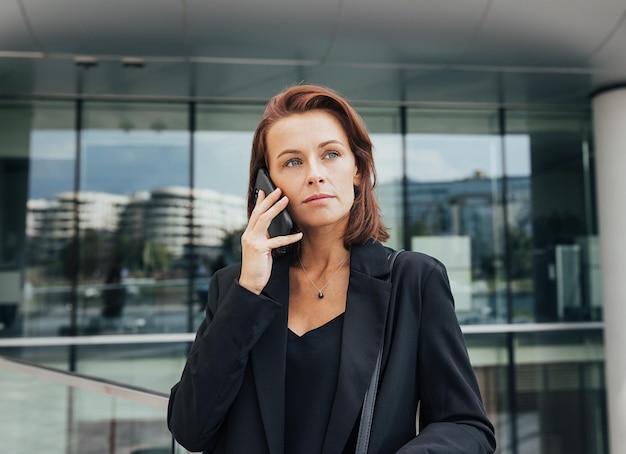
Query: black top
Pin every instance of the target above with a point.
(311, 380)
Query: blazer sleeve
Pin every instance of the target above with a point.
(452, 416)
(214, 371)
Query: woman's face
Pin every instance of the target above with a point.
(310, 160)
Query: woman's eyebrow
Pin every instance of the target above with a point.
(328, 142)
(287, 151)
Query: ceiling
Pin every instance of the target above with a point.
(458, 52)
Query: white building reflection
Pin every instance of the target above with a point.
(172, 217)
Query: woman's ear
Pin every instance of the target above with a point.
(356, 181)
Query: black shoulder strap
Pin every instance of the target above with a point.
(367, 415)
(392, 259)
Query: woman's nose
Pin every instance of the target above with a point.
(315, 179)
(315, 176)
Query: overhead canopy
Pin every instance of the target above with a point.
(471, 51)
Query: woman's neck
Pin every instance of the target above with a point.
(319, 251)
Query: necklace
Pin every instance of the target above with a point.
(320, 293)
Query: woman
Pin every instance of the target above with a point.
(286, 353)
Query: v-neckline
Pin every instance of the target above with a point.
(313, 331)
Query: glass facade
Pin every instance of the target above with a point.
(114, 215)
(39, 415)
(454, 201)
(553, 242)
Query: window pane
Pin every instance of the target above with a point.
(553, 243)
(560, 392)
(223, 141)
(134, 208)
(454, 201)
(384, 128)
(36, 168)
(519, 226)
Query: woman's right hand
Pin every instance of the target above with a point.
(256, 244)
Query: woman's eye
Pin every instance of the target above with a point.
(292, 163)
(332, 154)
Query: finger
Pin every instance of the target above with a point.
(280, 241)
(258, 198)
(270, 198)
(263, 202)
(264, 219)
(260, 195)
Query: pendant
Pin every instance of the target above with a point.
(320, 295)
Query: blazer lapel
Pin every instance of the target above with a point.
(364, 327)
(268, 360)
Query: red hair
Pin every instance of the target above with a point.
(365, 221)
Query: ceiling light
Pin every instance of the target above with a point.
(85, 61)
(133, 62)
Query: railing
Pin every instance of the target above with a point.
(113, 339)
(109, 339)
(132, 393)
(504, 328)
(46, 410)
(515, 364)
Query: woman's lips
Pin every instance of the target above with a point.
(317, 197)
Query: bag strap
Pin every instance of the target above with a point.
(367, 415)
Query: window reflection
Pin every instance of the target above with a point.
(519, 225)
(152, 229)
(388, 161)
(223, 141)
(454, 192)
(49, 145)
(134, 216)
(553, 244)
(383, 125)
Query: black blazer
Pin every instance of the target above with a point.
(230, 398)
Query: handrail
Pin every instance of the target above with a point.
(116, 339)
(132, 393)
(107, 339)
(150, 283)
(505, 328)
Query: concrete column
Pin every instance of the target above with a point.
(609, 112)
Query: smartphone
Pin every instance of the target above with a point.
(282, 223)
